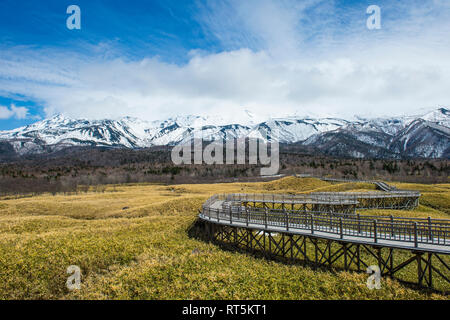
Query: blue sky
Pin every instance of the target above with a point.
(155, 59)
(166, 28)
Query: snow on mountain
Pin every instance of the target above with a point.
(291, 129)
(379, 125)
(424, 139)
(440, 116)
(425, 135)
(61, 130)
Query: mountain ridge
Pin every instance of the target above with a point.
(426, 135)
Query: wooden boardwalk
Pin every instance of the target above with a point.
(428, 235)
(259, 220)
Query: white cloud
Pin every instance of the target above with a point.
(13, 112)
(281, 61)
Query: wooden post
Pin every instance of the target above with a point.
(359, 223)
(270, 243)
(416, 244)
(358, 260)
(246, 215)
(379, 258)
(392, 225)
(341, 231)
(264, 243)
(287, 219)
(430, 235)
(419, 268)
(291, 247)
(430, 271)
(231, 215)
(345, 256)
(375, 231)
(265, 217)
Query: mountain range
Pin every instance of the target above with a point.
(413, 136)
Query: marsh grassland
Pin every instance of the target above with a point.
(131, 242)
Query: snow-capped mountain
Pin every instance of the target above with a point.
(291, 129)
(423, 136)
(426, 135)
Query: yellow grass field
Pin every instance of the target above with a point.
(131, 242)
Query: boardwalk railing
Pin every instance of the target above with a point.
(400, 230)
(287, 199)
(326, 196)
(361, 200)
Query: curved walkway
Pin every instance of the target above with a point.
(281, 213)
